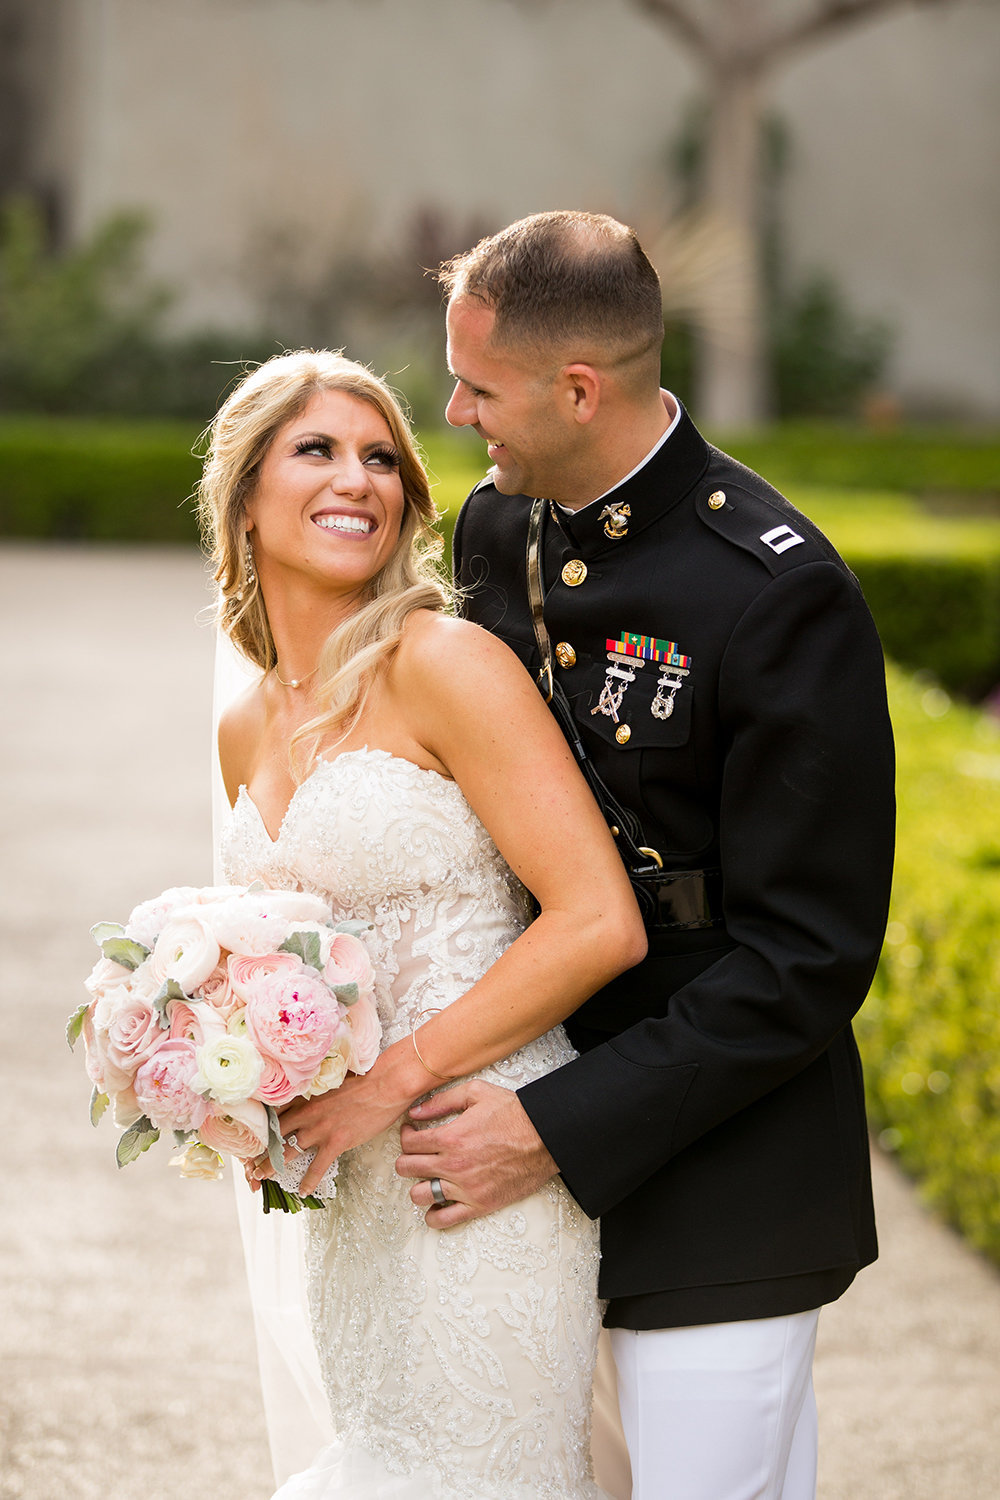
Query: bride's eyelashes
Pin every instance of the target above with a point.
(379, 458)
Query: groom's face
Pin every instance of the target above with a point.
(513, 404)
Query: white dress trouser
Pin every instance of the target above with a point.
(720, 1412)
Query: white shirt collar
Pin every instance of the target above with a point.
(569, 511)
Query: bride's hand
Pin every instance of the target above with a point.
(335, 1122)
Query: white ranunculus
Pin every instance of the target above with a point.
(185, 951)
(229, 1069)
(332, 1071)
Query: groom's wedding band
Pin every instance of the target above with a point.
(292, 1140)
(436, 1192)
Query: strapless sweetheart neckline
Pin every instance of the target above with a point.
(322, 763)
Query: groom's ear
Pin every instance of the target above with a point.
(580, 391)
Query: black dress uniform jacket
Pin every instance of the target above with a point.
(715, 1117)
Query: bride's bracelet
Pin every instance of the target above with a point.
(444, 1077)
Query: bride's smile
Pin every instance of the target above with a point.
(329, 498)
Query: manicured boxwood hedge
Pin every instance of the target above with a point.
(933, 585)
(930, 1030)
(928, 461)
(79, 479)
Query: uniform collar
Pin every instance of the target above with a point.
(655, 489)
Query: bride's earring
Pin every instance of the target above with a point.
(249, 571)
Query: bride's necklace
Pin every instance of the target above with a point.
(295, 681)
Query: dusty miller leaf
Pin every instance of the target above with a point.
(102, 931)
(304, 945)
(347, 994)
(171, 991)
(124, 951)
(137, 1139)
(75, 1024)
(275, 1144)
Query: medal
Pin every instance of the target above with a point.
(670, 683)
(617, 678)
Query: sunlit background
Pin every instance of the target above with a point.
(187, 186)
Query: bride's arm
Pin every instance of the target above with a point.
(470, 705)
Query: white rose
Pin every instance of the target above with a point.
(185, 951)
(229, 1069)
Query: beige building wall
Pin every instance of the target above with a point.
(267, 136)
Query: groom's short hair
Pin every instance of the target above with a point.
(567, 281)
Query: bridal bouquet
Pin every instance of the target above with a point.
(212, 1008)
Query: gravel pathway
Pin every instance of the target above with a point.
(125, 1334)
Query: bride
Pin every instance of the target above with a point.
(400, 763)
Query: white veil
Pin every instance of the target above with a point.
(295, 1405)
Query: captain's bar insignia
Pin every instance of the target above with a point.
(781, 538)
(616, 519)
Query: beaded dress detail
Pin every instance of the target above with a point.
(458, 1364)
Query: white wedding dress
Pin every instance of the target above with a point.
(457, 1364)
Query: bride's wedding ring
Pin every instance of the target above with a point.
(292, 1140)
(437, 1193)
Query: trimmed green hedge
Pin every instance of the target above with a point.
(79, 479)
(930, 1030)
(926, 461)
(933, 585)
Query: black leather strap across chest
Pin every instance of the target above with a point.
(670, 901)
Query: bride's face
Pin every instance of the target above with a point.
(329, 499)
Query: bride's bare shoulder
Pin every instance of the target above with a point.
(428, 634)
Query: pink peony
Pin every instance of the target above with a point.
(366, 1034)
(246, 969)
(185, 951)
(240, 1129)
(349, 963)
(163, 1087)
(292, 1016)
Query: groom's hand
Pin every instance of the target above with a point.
(487, 1156)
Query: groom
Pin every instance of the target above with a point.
(725, 680)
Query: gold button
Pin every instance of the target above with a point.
(717, 500)
(565, 655)
(623, 734)
(574, 572)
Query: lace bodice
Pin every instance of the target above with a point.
(457, 1364)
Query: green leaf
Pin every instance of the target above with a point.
(353, 927)
(75, 1023)
(184, 1137)
(304, 945)
(98, 1104)
(255, 887)
(137, 1139)
(171, 991)
(124, 951)
(347, 994)
(102, 931)
(275, 1143)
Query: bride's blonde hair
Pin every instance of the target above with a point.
(240, 435)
